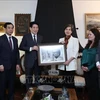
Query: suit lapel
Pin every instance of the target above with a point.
(38, 38)
(14, 43)
(6, 41)
(30, 37)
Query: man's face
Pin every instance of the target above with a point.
(9, 29)
(34, 29)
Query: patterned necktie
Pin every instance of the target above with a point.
(10, 42)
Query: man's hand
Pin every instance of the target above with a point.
(98, 67)
(1, 68)
(18, 67)
(35, 48)
(18, 70)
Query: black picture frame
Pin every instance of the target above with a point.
(22, 24)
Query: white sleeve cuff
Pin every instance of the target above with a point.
(30, 49)
(97, 63)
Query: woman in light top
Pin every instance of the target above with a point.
(72, 47)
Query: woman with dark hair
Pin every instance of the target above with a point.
(89, 64)
(72, 47)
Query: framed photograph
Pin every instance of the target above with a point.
(1, 27)
(22, 24)
(49, 54)
(92, 20)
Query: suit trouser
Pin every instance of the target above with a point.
(7, 78)
(29, 74)
(92, 84)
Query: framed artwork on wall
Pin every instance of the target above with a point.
(50, 54)
(22, 24)
(2, 27)
(92, 20)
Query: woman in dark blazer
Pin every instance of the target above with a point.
(89, 65)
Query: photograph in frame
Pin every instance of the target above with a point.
(22, 22)
(51, 54)
(92, 20)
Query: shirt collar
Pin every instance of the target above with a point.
(8, 36)
(34, 34)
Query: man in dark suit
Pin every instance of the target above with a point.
(9, 61)
(29, 44)
(98, 62)
(98, 57)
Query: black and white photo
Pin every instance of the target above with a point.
(51, 54)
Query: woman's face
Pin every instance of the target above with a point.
(68, 31)
(91, 36)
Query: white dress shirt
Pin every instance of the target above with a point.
(97, 63)
(33, 36)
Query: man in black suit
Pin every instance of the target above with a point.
(98, 61)
(29, 44)
(9, 61)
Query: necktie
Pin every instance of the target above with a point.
(10, 42)
(34, 38)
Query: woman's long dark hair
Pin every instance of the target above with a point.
(96, 41)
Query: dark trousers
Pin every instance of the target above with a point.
(7, 78)
(92, 84)
(29, 75)
(69, 78)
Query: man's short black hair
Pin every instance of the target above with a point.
(32, 23)
(8, 23)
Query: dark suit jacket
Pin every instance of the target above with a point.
(30, 56)
(8, 58)
(98, 53)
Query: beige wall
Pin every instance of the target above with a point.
(80, 7)
(11, 7)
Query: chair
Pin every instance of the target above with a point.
(79, 80)
(22, 77)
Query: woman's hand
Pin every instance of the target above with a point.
(63, 42)
(67, 62)
(85, 68)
